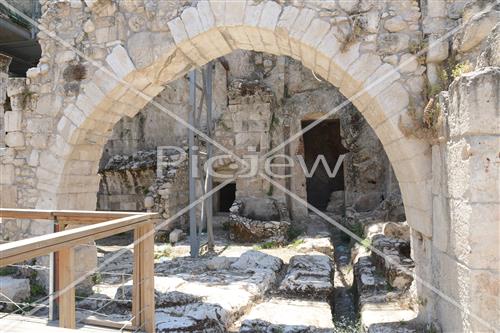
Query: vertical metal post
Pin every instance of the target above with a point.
(193, 233)
(208, 185)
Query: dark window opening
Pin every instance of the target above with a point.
(323, 139)
(224, 198)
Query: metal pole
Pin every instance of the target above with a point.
(193, 233)
(208, 185)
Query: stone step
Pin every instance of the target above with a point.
(309, 276)
(288, 316)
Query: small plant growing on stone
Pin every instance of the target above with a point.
(164, 253)
(366, 243)
(76, 72)
(97, 278)
(8, 270)
(461, 69)
(425, 126)
(296, 243)
(355, 31)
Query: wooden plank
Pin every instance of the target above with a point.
(143, 298)
(66, 292)
(13, 213)
(77, 215)
(17, 251)
(96, 321)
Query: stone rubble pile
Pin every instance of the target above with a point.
(258, 219)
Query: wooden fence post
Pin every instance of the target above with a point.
(143, 300)
(66, 276)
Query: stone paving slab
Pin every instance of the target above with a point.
(288, 316)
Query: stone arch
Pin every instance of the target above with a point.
(67, 175)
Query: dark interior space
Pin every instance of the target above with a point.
(224, 198)
(323, 139)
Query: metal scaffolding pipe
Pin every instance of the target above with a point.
(193, 232)
(208, 184)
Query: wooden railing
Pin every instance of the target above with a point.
(97, 225)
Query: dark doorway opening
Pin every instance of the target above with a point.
(224, 198)
(323, 139)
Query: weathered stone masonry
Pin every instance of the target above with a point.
(135, 48)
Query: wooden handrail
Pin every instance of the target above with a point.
(97, 225)
(73, 216)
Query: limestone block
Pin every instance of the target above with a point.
(440, 222)
(358, 72)
(234, 13)
(120, 62)
(395, 24)
(192, 22)
(472, 169)
(175, 236)
(379, 81)
(253, 12)
(473, 108)
(49, 163)
(15, 290)
(393, 42)
(95, 95)
(74, 114)
(348, 5)
(297, 30)
(14, 139)
(270, 15)
(392, 101)
(39, 125)
(16, 86)
(65, 56)
(414, 170)
(341, 62)
(419, 220)
(474, 233)
(67, 130)
(286, 20)
(7, 174)
(327, 50)
(311, 39)
(13, 121)
(408, 63)
(33, 158)
(206, 16)
(438, 49)
(9, 194)
(218, 10)
(407, 148)
(371, 21)
(479, 26)
(417, 194)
